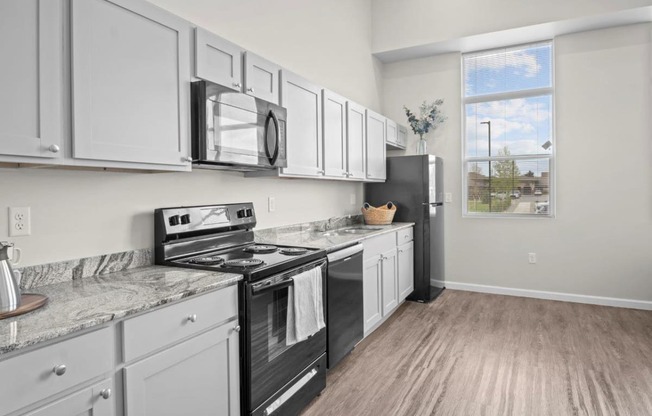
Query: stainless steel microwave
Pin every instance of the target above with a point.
(232, 130)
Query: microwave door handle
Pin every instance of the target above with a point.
(273, 157)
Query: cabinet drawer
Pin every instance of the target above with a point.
(403, 236)
(154, 330)
(31, 377)
(377, 245)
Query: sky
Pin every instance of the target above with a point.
(520, 124)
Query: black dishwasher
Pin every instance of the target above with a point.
(345, 325)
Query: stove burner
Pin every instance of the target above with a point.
(207, 260)
(243, 263)
(294, 251)
(258, 248)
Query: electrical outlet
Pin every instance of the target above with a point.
(19, 221)
(271, 204)
(448, 197)
(352, 199)
(532, 258)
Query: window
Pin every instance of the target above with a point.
(508, 143)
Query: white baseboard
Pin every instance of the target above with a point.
(539, 294)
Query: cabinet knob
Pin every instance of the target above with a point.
(54, 148)
(59, 370)
(250, 89)
(187, 159)
(237, 84)
(193, 317)
(105, 393)
(236, 328)
(321, 172)
(345, 174)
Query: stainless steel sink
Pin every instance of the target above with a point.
(330, 234)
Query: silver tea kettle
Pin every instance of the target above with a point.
(9, 285)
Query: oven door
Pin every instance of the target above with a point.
(270, 362)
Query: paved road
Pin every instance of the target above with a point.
(526, 204)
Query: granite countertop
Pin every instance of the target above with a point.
(79, 304)
(328, 240)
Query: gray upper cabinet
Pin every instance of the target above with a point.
(375, 159)
(356, 140)
(402, 136)
(334, 122)
(131, 80)
(391, 132)
(31, 47)
(304, 134)
(261, 78)
(218, 60)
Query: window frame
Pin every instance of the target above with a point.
(467, 160)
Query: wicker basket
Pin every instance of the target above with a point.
(379, 216)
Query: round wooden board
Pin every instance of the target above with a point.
(28, 303)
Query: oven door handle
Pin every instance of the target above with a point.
(262, 287)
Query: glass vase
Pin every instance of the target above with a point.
(422, 146)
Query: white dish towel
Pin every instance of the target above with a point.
(305, 306)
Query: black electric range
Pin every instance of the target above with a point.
(277, 377)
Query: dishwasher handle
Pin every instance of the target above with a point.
(344, 253)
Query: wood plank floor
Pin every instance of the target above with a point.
(478, 354)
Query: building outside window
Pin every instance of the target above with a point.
(508, 97)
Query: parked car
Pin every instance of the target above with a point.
(537, 192)
(515, 194)
(542, 207)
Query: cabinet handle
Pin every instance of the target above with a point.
(345, 174)
(321, 172)
(193, 317)
(250, 89)
(54, 148)
(237, 84)
(187, 159)
(236, 328)
(105, 394)
(400, 251)
(59, 369)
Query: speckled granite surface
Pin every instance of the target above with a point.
(78, 304)
(65, 271)
(312, 235)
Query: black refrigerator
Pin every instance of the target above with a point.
(416, 185)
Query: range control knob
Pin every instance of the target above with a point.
(185, 219)
(242, 213)
(250, 212)
(174, 220)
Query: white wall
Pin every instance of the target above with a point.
(600, 242)
(85, 213)
(419, 22)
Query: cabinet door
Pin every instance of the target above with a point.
(375, 146)
(89, 401)
(334, 121)
(261, 78)
(197, 377)
(356, 140)
(405, 270)
(371, 286)
(391, 132)
(30, 78)
(131, 79)
(304, 136)
(402, 136)
(218, 60)
(390, 281)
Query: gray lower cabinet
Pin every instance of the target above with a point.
(405, 270)
(197, 377)
(130, 83)
(31, 47)
(390, 280)
(96, 400)
(371, 295)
